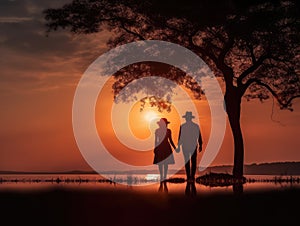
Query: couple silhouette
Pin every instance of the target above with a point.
(189, 140)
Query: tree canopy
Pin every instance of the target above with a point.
(250, 43)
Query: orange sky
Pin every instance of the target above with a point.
(38, 79)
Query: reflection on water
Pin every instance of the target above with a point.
(149, 183)
(190, 189)
(163, 187)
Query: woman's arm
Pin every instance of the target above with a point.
(171, 140)
(156, 139)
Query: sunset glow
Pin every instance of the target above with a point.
(38, 85)
(149, 112)
(150, 115)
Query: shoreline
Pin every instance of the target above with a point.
(204, 179)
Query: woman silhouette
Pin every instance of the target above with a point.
(163, 154)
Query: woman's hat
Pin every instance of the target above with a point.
(163, 120)
(188, 114)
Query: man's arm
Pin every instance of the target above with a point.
(179, 140)
(171, 140)
(200, 142)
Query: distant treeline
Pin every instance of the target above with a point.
(274, 168)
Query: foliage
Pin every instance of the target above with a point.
(248, 43)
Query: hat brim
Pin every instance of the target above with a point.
(159, 122)
(188, 116)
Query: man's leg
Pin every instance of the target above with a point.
(188, 189)
(193, 189)
(194, 164)
(186, 156)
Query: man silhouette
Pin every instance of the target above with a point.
(189, 138)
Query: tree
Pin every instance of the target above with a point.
(252, 45)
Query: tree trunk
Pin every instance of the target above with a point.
(233, 108)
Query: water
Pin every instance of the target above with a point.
(138, 182)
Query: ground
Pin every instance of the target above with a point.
(111, 207)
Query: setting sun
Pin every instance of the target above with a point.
(150, 115)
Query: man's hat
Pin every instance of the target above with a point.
(188, 114)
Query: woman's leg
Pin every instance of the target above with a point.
(165, 186)
(161, 173)
(166, 166)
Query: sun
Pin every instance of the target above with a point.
(150, 115)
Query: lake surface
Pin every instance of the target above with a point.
(88, 200)
(138, 182)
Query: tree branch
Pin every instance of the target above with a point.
(224, 68)
(220, 64)
(283, 104)
(132, 32)
(289, 101)
(172, 28)
(228, 45)
(252, 68)
(253, 58)
(202, 51)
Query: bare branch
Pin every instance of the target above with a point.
(289, 101)
(283, 104)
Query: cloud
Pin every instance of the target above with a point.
(34, 61)
(14, 19)
(27, 8)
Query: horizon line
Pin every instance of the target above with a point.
(128, 171)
